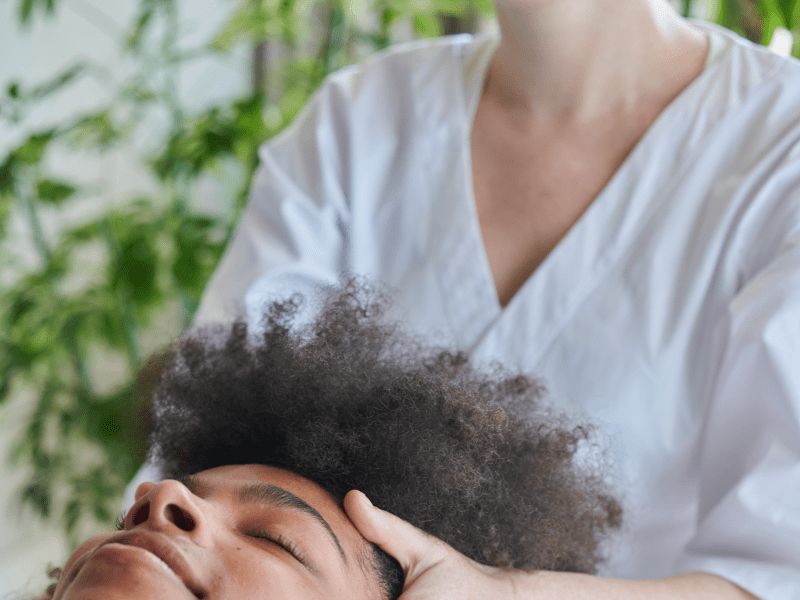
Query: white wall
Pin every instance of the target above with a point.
(82, 28)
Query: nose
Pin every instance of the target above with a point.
(169, 507)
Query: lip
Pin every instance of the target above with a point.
(162, 548)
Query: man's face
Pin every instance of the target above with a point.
(244, 531)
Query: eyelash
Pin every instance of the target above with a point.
(284, 543)
(280, 540)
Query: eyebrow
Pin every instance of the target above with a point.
(264, 493)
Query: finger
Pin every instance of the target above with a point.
(414, 549)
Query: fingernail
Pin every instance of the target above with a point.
(367, 499)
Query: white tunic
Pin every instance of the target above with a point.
(669, 314)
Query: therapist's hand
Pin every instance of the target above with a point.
(433, 570)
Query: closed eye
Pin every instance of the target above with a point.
(284, 543)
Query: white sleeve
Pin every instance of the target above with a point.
(296, 220)
(749, 507)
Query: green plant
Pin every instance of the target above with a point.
(153, 250)
(758, 19)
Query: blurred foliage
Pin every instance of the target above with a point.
(758, 19)
(154, 251)
(97, 286)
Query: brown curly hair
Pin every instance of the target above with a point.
(350, 402)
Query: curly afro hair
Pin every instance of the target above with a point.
(349, 402)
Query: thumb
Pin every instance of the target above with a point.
(415, 550)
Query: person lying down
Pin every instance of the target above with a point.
(260, 439)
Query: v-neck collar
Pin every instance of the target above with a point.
(579, 260)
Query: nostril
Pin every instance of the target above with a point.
(180, 517)
(141, 514)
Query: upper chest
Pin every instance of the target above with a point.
(532, 183)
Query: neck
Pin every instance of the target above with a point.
(577, 60)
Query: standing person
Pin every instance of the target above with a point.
(608, 196)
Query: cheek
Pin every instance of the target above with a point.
(81, 552)
(257, 575)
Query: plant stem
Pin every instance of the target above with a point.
(331, 43)
(169, 49)
(79, 362)
(125, 304)
(36, 228)
(129, 325)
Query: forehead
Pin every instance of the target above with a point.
(232, 477)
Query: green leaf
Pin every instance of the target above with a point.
(136, 268)
(7, 175)
(19, 449)
(54, 192)
(72, 514)
(37, 495)
(197, 253)
(58, 82)
(106, 421)
(774, 17)
(25, 10)
(134, 39)
(5, 211)
(18, 309)
(139, 93)
(95, 131)
(101, 513)
(207, 138)
(83, 233)
(6, 374)
(257, 22)
(729, 15)
(427, 25)
(32, 150)
(788, 10)
(27, 6)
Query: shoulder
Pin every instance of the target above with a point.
(403, 62)
(743, 133)
(403, 73)
(743, 73)
(400, 90)
(742, 109)
(406, 82)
